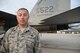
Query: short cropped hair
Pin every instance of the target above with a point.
(23, 9)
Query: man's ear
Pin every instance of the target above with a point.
(28, 17)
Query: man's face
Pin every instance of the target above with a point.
(22, 17)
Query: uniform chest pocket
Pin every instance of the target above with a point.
(30, 42)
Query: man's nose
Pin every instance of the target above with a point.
(22, 17)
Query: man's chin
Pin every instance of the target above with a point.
(22, 24)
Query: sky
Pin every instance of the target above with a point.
(11, 6)
(75, 3)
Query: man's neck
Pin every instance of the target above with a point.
(23, 26)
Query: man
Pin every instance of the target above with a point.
(21, 38)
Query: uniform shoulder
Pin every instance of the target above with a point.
(11, 29)
(35, 31)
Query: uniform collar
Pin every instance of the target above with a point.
(25, 30)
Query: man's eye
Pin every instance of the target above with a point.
(20, 15)
(25, 14)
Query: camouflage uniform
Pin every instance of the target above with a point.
(15, 41)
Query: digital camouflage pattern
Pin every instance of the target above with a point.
(15, 41)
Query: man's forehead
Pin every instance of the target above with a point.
(22, 10)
